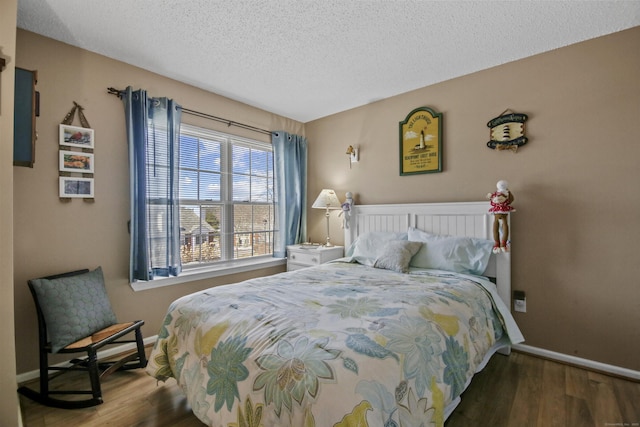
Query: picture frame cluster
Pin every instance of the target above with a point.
(76, 162)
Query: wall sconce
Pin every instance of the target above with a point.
(353, 155)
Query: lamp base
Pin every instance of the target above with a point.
(328, 243)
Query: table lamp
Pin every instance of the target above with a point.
(327, 200)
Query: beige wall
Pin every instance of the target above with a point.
(9, 411)
(573, 236)
(55, 236)
(577, 225)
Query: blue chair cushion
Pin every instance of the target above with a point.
(73, 307)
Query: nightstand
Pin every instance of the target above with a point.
(299, 256)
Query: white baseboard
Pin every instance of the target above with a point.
(112, 351)
(578, 361)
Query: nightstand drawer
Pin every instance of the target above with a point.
(300, 257)
(305, 256)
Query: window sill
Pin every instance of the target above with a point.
(191, 275)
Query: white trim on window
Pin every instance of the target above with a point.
(236, 216)
(219, 269)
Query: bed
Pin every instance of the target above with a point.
(390, 335)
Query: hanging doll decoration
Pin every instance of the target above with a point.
(346, 210)
(500, 208)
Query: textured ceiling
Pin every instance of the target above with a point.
(309, 59)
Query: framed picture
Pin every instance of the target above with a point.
(507, 131)
(421, 142)
(73, 161)
(74, 136)
(76, 187)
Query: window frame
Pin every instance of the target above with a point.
(227, 265)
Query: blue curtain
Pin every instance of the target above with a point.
(290, 172)
(153, 134)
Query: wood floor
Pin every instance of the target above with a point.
(515, 391)
(523, 390)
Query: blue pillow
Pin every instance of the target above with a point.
(466, 255)
(73, 307)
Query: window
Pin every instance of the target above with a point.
(226, 197)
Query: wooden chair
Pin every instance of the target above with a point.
(41, 290)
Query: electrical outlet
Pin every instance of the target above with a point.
(520, 305)
(519, 301)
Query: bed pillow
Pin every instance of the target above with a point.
(73, 307)
(369, 246)
(396, 255)
(466, 255)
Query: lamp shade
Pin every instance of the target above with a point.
(327, 200)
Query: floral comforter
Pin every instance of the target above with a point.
(335, 345)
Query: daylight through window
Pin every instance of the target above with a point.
(226, 197)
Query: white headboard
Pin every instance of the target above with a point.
(470, 219)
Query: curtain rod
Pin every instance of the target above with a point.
(119, 93)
